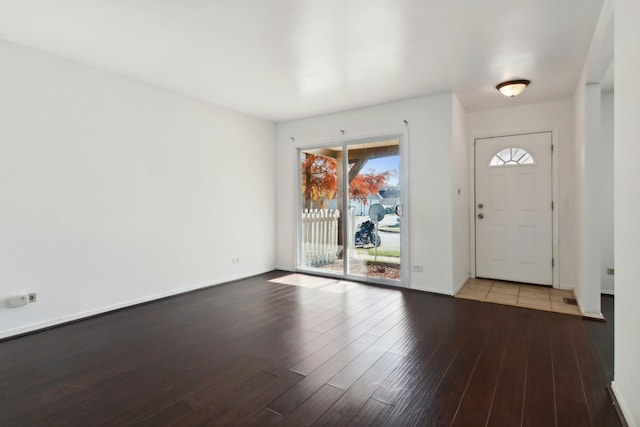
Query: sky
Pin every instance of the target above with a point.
(383, 164)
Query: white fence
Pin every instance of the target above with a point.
(319, 236)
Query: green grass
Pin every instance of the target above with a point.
(381, 252)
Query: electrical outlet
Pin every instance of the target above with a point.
(419, 268)
(235, 260)
(32, 297)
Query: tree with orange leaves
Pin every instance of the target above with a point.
(319, 180)
(362, 185)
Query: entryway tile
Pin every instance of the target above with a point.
(505, 288)
(502, 298)
(541, 301)
(473, 292)
(519, 295)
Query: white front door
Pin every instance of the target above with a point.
(513, 208)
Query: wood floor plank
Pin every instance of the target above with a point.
(264, 418)
(440, 405)
(119, 396)
(603, 331)
(477, 398)
(539, 393)
(344, 411)
(318, 358)
(290, 400)
(361, 310)
(370, 414)
(414, 407)
(334, 338)
(243, 406)
(403, 379)
(231, 405)
(166, 416)
(571, 407)
(358, 366)
(88, 383)
(313, 407)
(371, 355)
(508, 398)
(593, 375)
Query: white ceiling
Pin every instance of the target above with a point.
(283, 59)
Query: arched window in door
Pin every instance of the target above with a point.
(511, 156)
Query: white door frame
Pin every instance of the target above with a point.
(554, 195)
(403, 136)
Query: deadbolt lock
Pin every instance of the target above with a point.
(480, 206)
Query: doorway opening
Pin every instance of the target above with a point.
(351, 210)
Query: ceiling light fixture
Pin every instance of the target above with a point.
(513, 88)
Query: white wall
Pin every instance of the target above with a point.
(116, 192)
(430, 177)
(627, 208)
(460, 194)
(588, 149)
(605, 190)
(587, 176)
(579, 101)
(555, 116)
(589, 152)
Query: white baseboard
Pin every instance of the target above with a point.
(460, 285)
(432, 290)
(93, 312)
(590, 315)
(566, 286)
(440, 291)
(623, 405)
(596, 316)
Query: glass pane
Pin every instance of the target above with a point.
(320, 239)
(511, 156)
(526, 160)
(373, 227)
(517, 153)
(496, 161)
(505, 154)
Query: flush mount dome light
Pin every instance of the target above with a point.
(513, 87)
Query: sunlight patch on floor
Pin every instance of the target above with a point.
(312, 282)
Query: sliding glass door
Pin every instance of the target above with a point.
(351, 211)
(320, 239)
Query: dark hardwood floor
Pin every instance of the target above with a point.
(318, 353)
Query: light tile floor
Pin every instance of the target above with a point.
(519, 295)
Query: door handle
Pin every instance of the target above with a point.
(480, 216)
